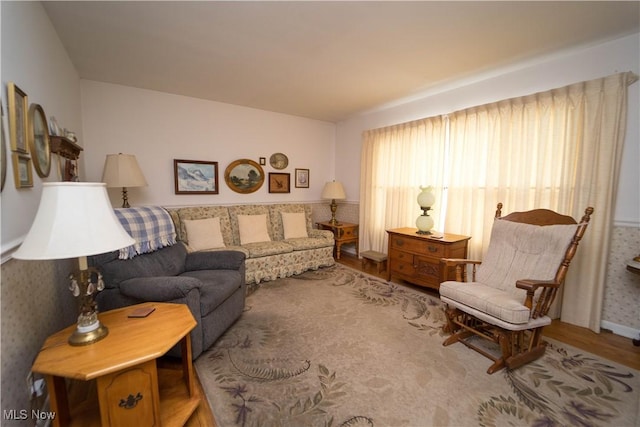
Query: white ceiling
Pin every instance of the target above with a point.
(322, 60)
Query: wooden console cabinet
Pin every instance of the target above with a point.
(416, 257)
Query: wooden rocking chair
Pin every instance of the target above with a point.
(509, 295)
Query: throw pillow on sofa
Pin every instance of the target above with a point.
(294, 224)
(253, 229)
(204, 234)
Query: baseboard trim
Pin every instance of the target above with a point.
(621, 330)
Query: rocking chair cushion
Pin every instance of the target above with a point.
(516, 251)
(486, 299)
(523, 251)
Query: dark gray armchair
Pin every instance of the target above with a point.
(211, 284)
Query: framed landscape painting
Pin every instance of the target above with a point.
(195, 177)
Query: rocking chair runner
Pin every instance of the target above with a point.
(511, 291)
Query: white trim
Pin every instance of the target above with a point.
(622, 330)
(6, 253)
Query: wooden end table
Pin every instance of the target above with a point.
(129, 384)
(343, 232)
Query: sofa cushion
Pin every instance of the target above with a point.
(204, 233)
(277, 226)
(262, 249)
(304, 243)
(217, 286)
(253, 229)
(294, 224)
(237, 210)
(201, 212)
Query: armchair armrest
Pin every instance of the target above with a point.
(214, 260)
(531, 285)
(460, 264)
(163, 288)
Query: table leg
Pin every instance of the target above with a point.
(187, 364)
(58, 400)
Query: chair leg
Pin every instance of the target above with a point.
(457, 337)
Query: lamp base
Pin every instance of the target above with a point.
(85, 338)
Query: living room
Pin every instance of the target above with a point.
(158, 127)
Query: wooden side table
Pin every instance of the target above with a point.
(128, 382)
(343, 232)
(416, 257)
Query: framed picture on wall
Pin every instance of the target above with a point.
(279, 182)
(195, 177)
(17, 118)
(22, 170)
(302, 178)
(244, 176)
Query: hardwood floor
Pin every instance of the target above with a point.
(605, 344)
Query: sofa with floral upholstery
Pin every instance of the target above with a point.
(278, 240)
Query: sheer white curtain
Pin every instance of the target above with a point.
(559, 149)
(395, 162)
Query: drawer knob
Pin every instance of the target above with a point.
(432, 249)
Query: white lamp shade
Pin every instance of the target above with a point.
(122, 170)
(333, 190)
(74, 219)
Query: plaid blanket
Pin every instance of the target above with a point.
(150, 226)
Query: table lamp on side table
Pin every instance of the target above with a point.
(122, 171)
(76, 220)
(334, 191)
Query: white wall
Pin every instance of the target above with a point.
(35, 60)
(546, 73)
(34, 298)
(158, 127)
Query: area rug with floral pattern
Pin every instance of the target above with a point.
(336, 347)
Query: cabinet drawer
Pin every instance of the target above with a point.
(346, 233)
(402, 266)
(432, 249)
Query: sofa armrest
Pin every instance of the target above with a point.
(163, 288)
(321, 234)
(214, 260)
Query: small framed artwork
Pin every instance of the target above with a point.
(17, 118)
(302, 178)
(244, 176)
(279, 182)
(195, 177)
(263, 161)
(38, 138)
(22, 170)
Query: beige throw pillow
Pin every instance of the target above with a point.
(253, 228)
(294, 224)
(204, 233)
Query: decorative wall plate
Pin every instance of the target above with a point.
(278, 161)
(244, 176)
